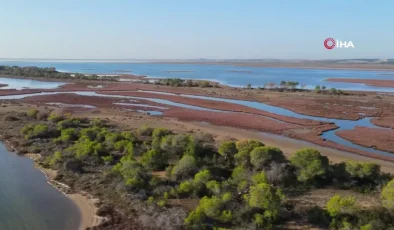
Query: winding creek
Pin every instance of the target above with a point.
(28, 202)
(328, 135)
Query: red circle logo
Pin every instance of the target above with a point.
(328, 45)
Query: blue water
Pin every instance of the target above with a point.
(14, 83)
(27, 201)
(258, 77)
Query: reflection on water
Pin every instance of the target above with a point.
(141, 105)
(27, 201)
(71, 105)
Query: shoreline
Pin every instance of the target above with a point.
(387, 83)
(85, 203)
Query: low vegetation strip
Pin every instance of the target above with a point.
(36, 72)
(158, 179)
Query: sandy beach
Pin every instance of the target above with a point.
(85, 203)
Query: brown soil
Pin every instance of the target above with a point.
(218, 106)
(343, 107)
(330, 107)
(387, 122)
(238, 120)
(381, 139)
(386, 118)
(370, 82)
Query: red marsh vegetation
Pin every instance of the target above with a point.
(381, 139)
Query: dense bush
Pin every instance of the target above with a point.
(237, 185)
(310, 164)
(36, 131)
(32, 71)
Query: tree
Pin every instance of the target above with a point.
(365, 170)
(214, 187)
(56, 158)
(267, 198)
(185, 167)
(247, 145)
(338, 205)
(387, 196)
(202, 177)
(244, 148)
(132, 172)
(157, 135)
(239, 174)
(292, 84)
(282, 84)
(248, 86)
(310, 164)
(185, 188)
(68, 135)
(228, 149)
(323, 88)
(37, 131)
(317, 89)
(262, 156)
(260, 178)
(154, 159)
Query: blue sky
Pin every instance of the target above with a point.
(168, 29)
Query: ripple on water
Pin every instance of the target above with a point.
(27, 201)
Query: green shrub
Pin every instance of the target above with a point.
(154, 160)
(121, 145)
(261, 157)
(55, 118)
(387, 196)
(56, 158)
(108, 159)
(68, 123)
(310, 164)
(68, 135)
(185, 167)
(32, 113)
(341, 205)
(37, 131)
(85, 147)
(27, 128)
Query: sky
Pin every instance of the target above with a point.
(217, 29)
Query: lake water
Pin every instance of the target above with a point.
(27, 201)
(14, 83)
(230, 75)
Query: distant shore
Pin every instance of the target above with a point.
(300, 65)
(369, 82)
